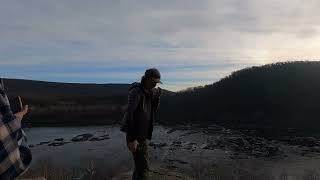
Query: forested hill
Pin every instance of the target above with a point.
(53, 103)
(274, 95)
(280, 95)
(30, 87)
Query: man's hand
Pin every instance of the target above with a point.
(22, 113)
(133, 146)
(158, 92)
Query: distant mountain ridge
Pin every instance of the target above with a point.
(20, 86)
(279, 95)
(53, 103)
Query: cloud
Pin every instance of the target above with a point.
(124, 34)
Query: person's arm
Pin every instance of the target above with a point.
(7, 116)
(133, 102)
(156, 99)
(13, 120)
(156, 103)
(5, 109)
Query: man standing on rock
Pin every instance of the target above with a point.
(143, 102)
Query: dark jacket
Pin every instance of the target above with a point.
(138, 119)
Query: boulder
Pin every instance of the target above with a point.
(82, 137)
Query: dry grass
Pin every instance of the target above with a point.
(200, 171)
(93, 171)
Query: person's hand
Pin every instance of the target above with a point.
(19, 115)
(158, 92)
(133, 146)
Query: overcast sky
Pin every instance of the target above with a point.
(191, 42)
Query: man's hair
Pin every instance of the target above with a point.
(151, 73)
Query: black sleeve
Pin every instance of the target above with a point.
(133, 102)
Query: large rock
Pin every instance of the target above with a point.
(305, 141)
(157, 145)
(82, 137)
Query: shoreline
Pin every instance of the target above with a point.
(181, 149)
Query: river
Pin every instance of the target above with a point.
(181, 149)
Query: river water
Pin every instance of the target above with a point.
(112, 152)
(180, 149)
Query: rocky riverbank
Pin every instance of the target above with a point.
(197, 152)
